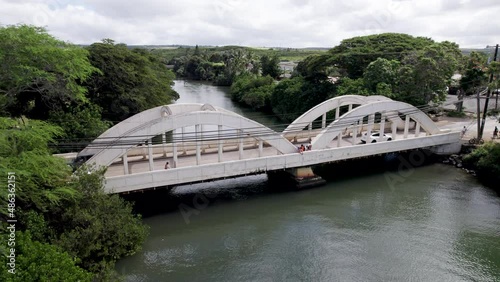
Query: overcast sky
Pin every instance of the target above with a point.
(258, 23)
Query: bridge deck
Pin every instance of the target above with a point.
(188, 171)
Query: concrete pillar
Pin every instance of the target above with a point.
(219, 142)
(355, 133)
(371, 121)
(182, 141)
(201, 138)
(174, 152)
(198, 143)
(240, 144)
(261, 148)
(407, 126)
(417, 129)
(382, 124)
(350, 107)
(125, 163)
(339, 139)
(394, 130)
(164, 142)
(309, 135)
(150, 155)
(323, 121)
(337, 113)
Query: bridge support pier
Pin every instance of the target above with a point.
(294, 178)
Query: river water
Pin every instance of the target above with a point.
(430, 223)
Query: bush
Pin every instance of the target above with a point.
(486, 161)
(37, 261)
(456, 114)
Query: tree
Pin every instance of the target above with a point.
(486, 160)
(100, 235)
(349, 86)
(269, 65)
(131, 80)
(81, 122)
(41, 177)
(285, 100)
(353, 55)
(254, 91)
(53, 203)
(425, 74)
(381, 71)
(39, 73)
(292, 97)
(37, 261)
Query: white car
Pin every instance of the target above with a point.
(375, 137)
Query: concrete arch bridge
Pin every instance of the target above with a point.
(202, 142)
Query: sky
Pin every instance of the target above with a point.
(257, 23)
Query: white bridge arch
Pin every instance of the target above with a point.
(335, 103)
(169, 122)
(128, 125)
(388, 109)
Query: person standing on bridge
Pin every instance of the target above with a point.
(167, 166)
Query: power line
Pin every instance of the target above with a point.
(227, 134)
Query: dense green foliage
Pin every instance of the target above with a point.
(41, 178)
(36, 261)
(68, 228)
(70, 211)
(39, 73)
(270, 66)
(353, 55)
(220, 67)
(284, 54)
(405, 68)
(130, 81)
(293, 97)
(102, 234)
(81, 122)
(486, 161)
(254, 91)
(474, 75)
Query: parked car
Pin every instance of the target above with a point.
(375, 137)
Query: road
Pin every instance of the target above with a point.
(138, 164)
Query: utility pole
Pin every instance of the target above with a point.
(480, 133)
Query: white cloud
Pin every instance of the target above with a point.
(294, 23)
